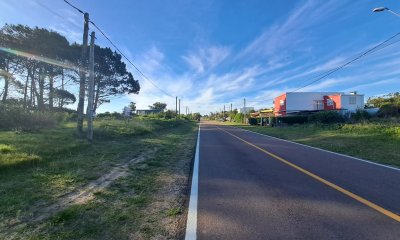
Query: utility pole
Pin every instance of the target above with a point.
(176, 107)
(179, 109)
(224, 113)
(231, 107)
(82, 75)
(89, 112)
(244, 110)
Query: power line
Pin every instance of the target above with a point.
(137, 69)
(350, 62)
(321, 76)
(74, 7)
(120, 52)
(57, 14)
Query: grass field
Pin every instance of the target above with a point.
(378, 142)
(145, 198)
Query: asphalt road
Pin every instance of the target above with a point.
(252, 186)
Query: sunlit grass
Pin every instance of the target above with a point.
(39, 167)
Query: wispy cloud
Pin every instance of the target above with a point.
(275, 61)
(205, 59)
(288, 34)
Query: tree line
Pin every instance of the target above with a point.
(39, 69)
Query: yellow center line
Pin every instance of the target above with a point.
(332, 185)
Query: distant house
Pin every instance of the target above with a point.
(245, 110)
(148, 111)
(300, 102)
(265, 116)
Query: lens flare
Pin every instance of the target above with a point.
(39, 58)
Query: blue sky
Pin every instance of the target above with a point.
(211, 53)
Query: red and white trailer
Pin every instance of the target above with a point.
(296, 102)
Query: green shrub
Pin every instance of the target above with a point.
(360, 115)
(389, 110)
(253, 121)
(326, 117)
(238, 118)
(103, 115)
(17, 118)
(169, 114)
(294, 119)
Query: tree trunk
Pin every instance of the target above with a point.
(32, 100)
(96, 98)
(26, 87)
(6, 82)
(62, 87)
(31, 74)
(34, 92)
(41, 90)
(51, 89)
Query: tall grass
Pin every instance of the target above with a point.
(137, 126)
(383, 129)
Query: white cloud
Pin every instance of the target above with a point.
(207, 58)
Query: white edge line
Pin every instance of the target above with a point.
(191, 223)
(359, 159)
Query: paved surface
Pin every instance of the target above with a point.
(244, 193)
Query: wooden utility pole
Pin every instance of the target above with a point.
(179, 109)
(176, 107)
(223, 116)
(82, 75)
(244, 110)
(89, 112)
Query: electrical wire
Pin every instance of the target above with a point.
(120, 52)
(74, 7)
(321, 76)
(57, 14)
(137, 69)
(349, 62)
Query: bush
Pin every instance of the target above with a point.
(238, 118)
(389, 110)
(117, 115)
(15, 118)
(294, 119)
(326, 117)
(253, 121)
(360, 115)
(169, 114)
(104, 115)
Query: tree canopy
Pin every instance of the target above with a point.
(40, 69)
(391, 98)
(158, 106)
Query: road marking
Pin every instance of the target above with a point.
(340, 154)
(332, 185)
(191, 223)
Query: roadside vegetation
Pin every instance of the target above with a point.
(374, 137)
(129, 183)
(375, 141)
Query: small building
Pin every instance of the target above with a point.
(127, 112)
(300, 102)
(245, 110)
(264, 116)
(148, 111)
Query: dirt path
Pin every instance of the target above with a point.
(84, 193)
(167, 212)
